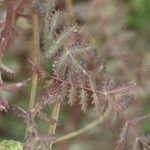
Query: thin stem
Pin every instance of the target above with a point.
(86, 128)
(128, 87)
(56, 108)
(36, 58)
(33, 90)
(69, 10)
(76, 85)
(55, 116)
(1, 81)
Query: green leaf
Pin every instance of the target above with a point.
(10, 145)
(6, 70)
(59, 42)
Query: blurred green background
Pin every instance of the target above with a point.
(120, 30)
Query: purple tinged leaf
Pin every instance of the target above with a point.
(83, 100)
(6, 70)
(4, 105)
(71, 96)
(122, 138)
(38, 70)
(125, 90)
(114, 104)
(12, 87)
(140, 119)
(95, 97)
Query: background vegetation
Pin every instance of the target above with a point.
(120, 30)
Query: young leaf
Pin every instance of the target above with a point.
(83, 100)
(4, 105)
(6, 70)
(12, 87)
(72, 96)
(59, 42)
(38, 70)
(122, 138)
(56, 17)
(95, 97)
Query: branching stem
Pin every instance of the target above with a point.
(86, 128)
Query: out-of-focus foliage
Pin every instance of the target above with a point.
(120, 29)
(10, 145)
(139, 16)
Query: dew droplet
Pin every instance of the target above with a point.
(75, 30)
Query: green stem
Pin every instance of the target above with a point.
(55, 116)
(69, 10)
(1, 81)
(86, 128)
(36, 58)
(56, 108)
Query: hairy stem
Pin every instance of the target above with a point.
(69, 10)
(56, 108)
(86, 128)
(36, 58)
(55, 115)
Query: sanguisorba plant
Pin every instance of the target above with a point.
(77, 75)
